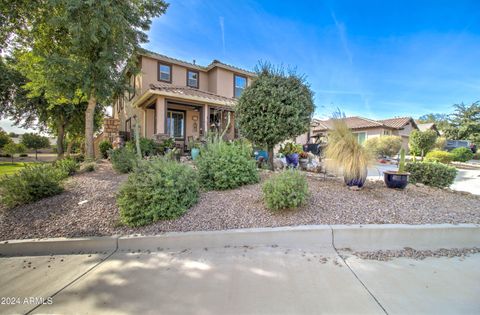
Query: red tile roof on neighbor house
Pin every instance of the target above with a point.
(356, 123)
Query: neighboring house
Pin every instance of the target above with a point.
(428, 126)
(365, 128)
(174, 98)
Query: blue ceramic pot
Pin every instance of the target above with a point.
(195, 153)
(292, 160)
(396, 180)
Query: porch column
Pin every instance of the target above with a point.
(161, 111)
(206, 119)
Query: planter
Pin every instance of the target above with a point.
(261, 154)
(395, 180)
(292, 160)
(195, 152)
(303, 163)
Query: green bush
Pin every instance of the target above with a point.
(476, 156)
(68, 166)
(421, 142)
(148, 147)
(462, 154)
(104, 146)
(384, 146)
(23, 155)
(222, 165)
(123, 159)
(158, 189)
(88, 167)
(287, 190)
(431, 174)
(79, 158)
(439, 156)
(30, 184)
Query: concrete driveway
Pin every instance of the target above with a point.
(239, 280)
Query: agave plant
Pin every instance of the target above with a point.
(344, 153)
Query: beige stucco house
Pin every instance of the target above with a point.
(179, 99)
(365, 128)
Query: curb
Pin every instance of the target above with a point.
(372, 237)
(356, 237)
(58, 246)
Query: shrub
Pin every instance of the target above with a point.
(79, 158)
(223, 165)
(440, 143)
(23, 155)
(158, 189)
(123, 159)
(476, 156)
(67, 166)
(104, 146)
(462, 154)
(439, 156)
(287, 190)
(89, 167)
(431, 174)
(421, 142)
(343, 152)
(30, 184)
(148, 147)
(384, 145)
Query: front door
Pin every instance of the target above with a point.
(176, 124)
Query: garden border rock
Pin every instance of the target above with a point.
(354, 237)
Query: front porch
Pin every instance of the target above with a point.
(186, 120)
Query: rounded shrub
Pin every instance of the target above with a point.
(67, 166)
(287, 190)
(439, 156)
(222, 165)
(104, 147)
(158, 189)
(30, 184)
(431, 174)
(462, 154)
(123, 159)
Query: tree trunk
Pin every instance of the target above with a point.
(36, 154)
(69, 148)
(270, 157)
(89, 113)
(60, 138)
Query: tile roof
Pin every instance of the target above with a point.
(397, 122)
(187, 91)
(214, 63)
(363, 123)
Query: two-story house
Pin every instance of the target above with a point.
(181, 100)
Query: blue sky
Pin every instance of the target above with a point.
(376, 59)
(371, 58)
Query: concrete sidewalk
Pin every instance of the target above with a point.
(299, 273)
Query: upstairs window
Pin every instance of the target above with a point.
(164, 72)
(192, 78)
(239, 84)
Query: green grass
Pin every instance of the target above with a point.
(7, 168)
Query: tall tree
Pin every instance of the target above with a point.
(465, 122)
(440, 120)
(35, 141)
(275, 107)
(99, 40)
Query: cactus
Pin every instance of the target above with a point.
(401, 164)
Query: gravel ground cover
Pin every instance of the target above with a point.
(385, 255)
(88, 208)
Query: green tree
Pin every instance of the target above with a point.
(421, 142)
(35, 141)
(4, 139)
(275, 107)
(99, 40)
(440, 120)
(13, 148)
(465, 123)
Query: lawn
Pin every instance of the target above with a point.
(7, 168)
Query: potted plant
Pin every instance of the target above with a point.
(291, 152)
(194, 147)
(303, 159)
(397, 179)
(346, 154)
